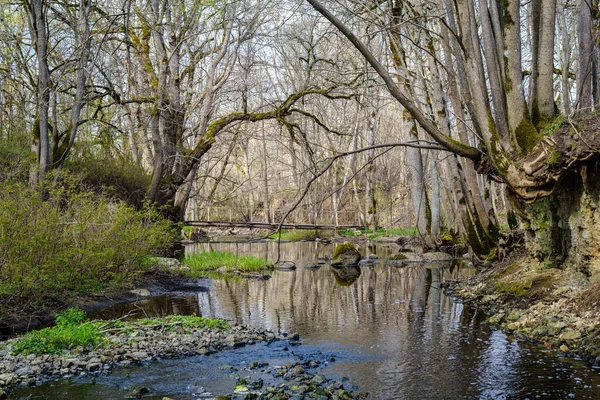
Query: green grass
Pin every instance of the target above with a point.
(70, 331)
(213, 260)
(295, 235)
(73, 330)
(381, 232)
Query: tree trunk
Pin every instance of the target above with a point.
(565, 51)
(41, 143)
(584, 56)
(543, 107)
(370, 201)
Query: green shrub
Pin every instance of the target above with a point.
(212, 260)
(73, 243)
(70, 331)
(14, 158)
(115, 177)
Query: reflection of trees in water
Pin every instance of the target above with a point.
(312, 301)
(426, 345)
(158, 306)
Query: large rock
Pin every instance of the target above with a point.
(345, 254)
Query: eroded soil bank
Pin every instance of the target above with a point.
(152, 283)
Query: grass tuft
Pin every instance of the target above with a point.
(73, 330)
(296, 235)
(213, 260)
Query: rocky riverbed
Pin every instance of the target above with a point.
(137, 344)
(546, 305)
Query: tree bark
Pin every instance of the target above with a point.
(584, 56)
(41, 143)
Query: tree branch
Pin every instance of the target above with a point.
(447, 142)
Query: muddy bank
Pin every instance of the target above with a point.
(152, 283)
(556, 307)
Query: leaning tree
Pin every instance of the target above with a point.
(500, 58)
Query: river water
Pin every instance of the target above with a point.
(391, 331)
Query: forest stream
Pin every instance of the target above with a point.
(389, 331)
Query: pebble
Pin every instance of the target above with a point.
(122, 349)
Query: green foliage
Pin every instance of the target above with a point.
(73, 243)
(14, 158)
(554, 159)
(73, 330)
(187, 232)
(70, 331)
(212, 260)
(186, 321)
(115, 177)
(549, 129)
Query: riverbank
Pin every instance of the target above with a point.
(558, 308)
(153, 282)
(138, 343)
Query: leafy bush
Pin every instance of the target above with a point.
(115, 177)
(70, 331)
(70, 244)
(14, 158)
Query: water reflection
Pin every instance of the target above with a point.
(392, 329)
(345, 276)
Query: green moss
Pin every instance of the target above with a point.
(477, 237)
(526, 136)
(492, 256)
(511, 217)
(508, 83)
(554, 159)
(516, 289)
(342, 248)
(507, 19)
